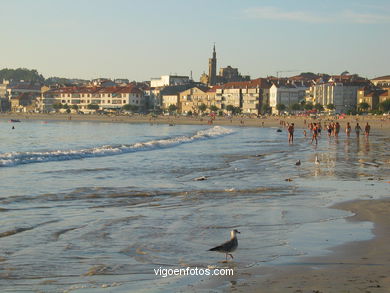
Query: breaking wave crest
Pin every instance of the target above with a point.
(18, 158)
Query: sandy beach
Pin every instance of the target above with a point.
(381, 123)
(354, 267)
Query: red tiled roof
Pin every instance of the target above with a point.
(25, 87)
(129, 89)
(101, 90)
(91, 90)
(214, 89)
(259, 82)
(24, 96)
(381, 77)
(108, 90)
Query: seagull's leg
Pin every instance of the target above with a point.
(231, 255)
(226, 255)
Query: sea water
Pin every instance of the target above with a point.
(87, 205)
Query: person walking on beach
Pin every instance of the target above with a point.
(367, 129)
(348, 129)
(330, 129)
(319, 128)
(315, 133)
(336, 129)
(290, 130)
(310, 126)
(357, 129)
(333, 128)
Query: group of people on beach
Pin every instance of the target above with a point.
(333, 129)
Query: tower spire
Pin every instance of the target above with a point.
(213, 68)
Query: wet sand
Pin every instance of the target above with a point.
(354, 267)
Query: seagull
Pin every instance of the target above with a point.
(317, 161)
(228, 246)
(298, 163)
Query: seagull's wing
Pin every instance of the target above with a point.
(226, 247)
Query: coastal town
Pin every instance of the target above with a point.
(227, 92)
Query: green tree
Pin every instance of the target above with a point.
(230, 108)
(75, 107)
(385, 105)
(237, 110)
(330, 107)
(93, 107)
(280, 107)
(21, 74)
(202, 107)
(172, 108)
(319, 107)
(296, 107)
(364, 106)
(213, 108)
(265, 109)
(129, 107)
(308, 106)
(57, 106)
(66, 106)
(189, 113)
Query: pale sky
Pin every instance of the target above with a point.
(138, 40)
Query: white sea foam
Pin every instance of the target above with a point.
(18, 158)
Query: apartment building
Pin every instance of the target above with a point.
(106, 98)
(288, 93)
(192, 98)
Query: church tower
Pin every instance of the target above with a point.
(213, 68)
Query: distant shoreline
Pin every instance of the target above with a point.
(378, 123)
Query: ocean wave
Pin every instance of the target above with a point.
(18, 158)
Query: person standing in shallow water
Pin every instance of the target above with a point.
(290, 130)
(315, 133)
(357, 129)
(330, 129)
(348, 129)
(336, 129)
(367, 129)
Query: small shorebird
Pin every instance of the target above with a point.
(317, 161)
(228, 246)
(298, 163)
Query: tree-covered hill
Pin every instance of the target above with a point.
(21, 74)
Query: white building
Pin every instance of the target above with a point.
(247, 95)
(107, 98)
(342, 95)
(286, 94)
(169, 80)
(228, 96)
